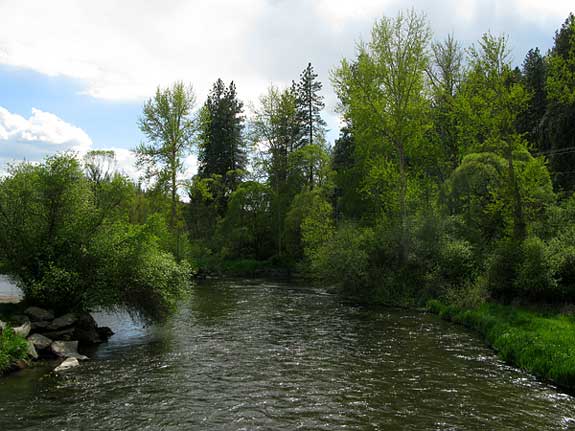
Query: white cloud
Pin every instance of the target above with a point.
(43, 132)
(123, 50)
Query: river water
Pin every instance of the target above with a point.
(269, 356)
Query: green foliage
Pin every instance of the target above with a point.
(70, 247)
(345, 258)
(540, 344)
(167, 124)
(12, 348)
(221, 144)
(535, 279)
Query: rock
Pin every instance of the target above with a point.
(67, 364)
(63, 335)
(2, 326)
(32, 350)
(20, 364)
(86, 331)
(104, 332)
(67, 349)
(40, 325)
(63, 322)
(39, 341)
(23, 330)
(37, 314)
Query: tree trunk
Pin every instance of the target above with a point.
(519, 226)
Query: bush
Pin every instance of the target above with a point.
(345, 259)
(502, 270)
(535, 279)
(69, 247)
(12, 348)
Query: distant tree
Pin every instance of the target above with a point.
(491, 101)
(275, 130)
(168, 125)
(221, 142)
(533, 78)
(309, 107)
(560, 116)
(383, 94)
(100, 165)
(446, 72)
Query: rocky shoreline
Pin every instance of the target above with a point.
(55, 337)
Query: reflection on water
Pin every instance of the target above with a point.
(245, 355)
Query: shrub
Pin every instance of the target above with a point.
(502, 270)
(69, 247)
(535, 279)
(345, 259)
(12, 348)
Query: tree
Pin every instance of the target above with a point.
(445, 75)
(69, 252)
(100, 165)
(221, 144)
(167, 124)
(275, 129)
(533, 78)
(560, 116)
(309, 106)
(383, 91)
(491, 101)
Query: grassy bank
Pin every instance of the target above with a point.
(540, 343)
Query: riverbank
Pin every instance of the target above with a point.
(541, 343)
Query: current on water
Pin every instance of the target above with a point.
(246, 355)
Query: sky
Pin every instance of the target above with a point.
(74, 74)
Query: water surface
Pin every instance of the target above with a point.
(272, 356)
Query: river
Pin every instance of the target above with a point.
(247, 355)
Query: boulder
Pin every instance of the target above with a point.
(67, 364)
(40, 325)
(32, 350)
(67, 349)
(104, 332)
(63, 335)
(86, 330)
(39, 341)
(37, 314)
(63, 322)
(23, 330)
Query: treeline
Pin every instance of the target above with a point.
(452, 177)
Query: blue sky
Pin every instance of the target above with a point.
(74, 75)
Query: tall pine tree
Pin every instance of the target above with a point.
(309, 107)
(222, 149)
(533, 76)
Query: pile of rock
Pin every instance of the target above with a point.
(58, 337)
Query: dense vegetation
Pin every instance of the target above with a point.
(451, 179)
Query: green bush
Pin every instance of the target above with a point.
(12, 348)
(502, 270)
(68, 244)
(345, 259)
(535, 279)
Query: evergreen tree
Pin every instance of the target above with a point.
(560, 117)
(533, 76)
(309, 106)
(221, 147)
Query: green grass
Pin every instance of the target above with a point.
(542, 344)
(12, 348)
